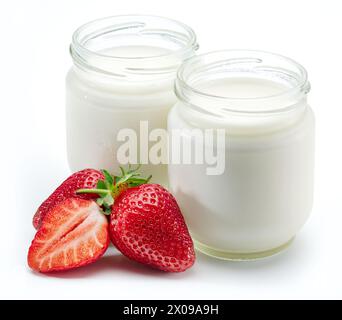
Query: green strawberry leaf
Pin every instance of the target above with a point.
(107, 211)
(101, 184)
(108, 199)
(112, 186)
(108, 176)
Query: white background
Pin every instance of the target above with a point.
(35, 36)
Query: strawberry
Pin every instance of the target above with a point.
(86, 178)
(146, 224)
(73, 233)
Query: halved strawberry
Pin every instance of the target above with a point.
(86, 178)
(74, 233)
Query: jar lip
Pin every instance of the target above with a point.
(301, 87)
(191, 43)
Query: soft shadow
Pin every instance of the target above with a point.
(298, 253)
(114, 264)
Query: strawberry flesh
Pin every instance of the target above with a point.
(86, 179)
(74, 233)
(147, 226)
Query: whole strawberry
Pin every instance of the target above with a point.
(146, 224)
(84, 179)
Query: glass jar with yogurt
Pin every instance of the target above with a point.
(123, 73)
(264, 195)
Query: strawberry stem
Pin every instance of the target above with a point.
(111, 186)
(97, 191)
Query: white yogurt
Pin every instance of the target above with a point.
(256, 207)
(123, 73)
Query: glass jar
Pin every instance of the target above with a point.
(123, 73)
(258, 203)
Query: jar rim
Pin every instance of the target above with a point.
(178, 31)
(224, 57)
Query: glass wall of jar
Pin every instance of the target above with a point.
(264, 195)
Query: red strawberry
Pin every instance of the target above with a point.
(74, 233)
(86, 178)
(146, 224)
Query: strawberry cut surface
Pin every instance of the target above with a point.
(86, 178)
(147, 226)
(73, 233)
